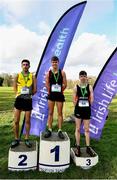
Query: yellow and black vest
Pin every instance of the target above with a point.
(24, 81)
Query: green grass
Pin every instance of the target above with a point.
(6, 98)
(106, 147)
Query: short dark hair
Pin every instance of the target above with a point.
(82, 73)
(25, 60)
(55, 58)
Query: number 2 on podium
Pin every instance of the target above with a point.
(56, 150)
(23, 158)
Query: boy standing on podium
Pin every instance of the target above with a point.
(24, 87)
(55, 83)
(82, 99)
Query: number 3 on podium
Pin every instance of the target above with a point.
(88, 162)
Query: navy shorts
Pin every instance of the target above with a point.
(59, 97)
(82, 112)
(23, 103)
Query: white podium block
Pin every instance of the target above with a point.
(85, 161)
(22, 158)
(54, 155)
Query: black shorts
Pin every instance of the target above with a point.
(82, 112)
(23, 103)
(59, 97)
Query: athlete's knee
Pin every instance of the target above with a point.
(77, 129)
(60, 114)
(50, 113)
(27, 122)
(86, 130)
(16, 122)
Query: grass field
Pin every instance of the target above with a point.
(106, 147)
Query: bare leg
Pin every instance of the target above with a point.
(87, 137)
(87, 134)
(16, 122)
(77, 131)
(27, 123)
(50, 115)
(77, 136)
(60, 113)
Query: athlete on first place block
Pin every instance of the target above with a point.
(82, 99)
(56, 83)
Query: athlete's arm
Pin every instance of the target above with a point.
(64, 85)
(15, 84)
(47, 82)
(91, 98)
(34, 85)
(75, 97)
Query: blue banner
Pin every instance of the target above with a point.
(58, 45)
(105, 88)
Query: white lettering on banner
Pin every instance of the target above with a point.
(93, 129)
(38, 115)
(61, 41)
(115, 74)
(110, 90)
(41, 103)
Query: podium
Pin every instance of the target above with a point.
(22, 158)
(85, 161)
(54, 155)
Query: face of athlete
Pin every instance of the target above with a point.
(55, 64)
(83, 79)
(25, 66)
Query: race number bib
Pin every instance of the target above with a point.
(56, 88)
(25, 90)
(83, 103)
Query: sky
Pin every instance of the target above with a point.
(25, 26)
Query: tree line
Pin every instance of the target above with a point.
(7, 80)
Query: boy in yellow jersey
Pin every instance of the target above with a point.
(24, 87)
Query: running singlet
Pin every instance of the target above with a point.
(55, 81)
(24, 84)
(83, 94)
(55, 92)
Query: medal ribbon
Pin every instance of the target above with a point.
(56, 78)
(25, 77)
(83, 91)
